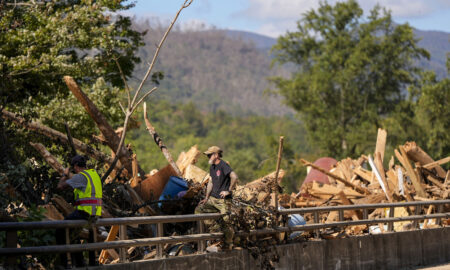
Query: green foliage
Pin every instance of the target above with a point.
(351, 73)
(250, 143)
(41, 42)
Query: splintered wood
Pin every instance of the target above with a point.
(414, 176)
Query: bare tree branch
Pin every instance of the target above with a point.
(132, 106)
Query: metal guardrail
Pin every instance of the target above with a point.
(11, 228)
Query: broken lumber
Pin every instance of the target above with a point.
(56, 135)
(105, 253)
(188, 158)
(51, 160)
(412, 173)
(357, 188)
(436, 163)
(112, 140)
(381, 143)
(160, 143)
(416, 154)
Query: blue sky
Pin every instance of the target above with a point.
(275, 17)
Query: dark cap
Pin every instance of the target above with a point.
(78, 160)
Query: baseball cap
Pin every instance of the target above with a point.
(78, 160)
(212, 150)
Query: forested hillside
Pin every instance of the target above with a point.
(228, 70)
(213, 70)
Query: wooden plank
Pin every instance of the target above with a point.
(105, 253)
(347, 183)
(381, 143)
(379, 164)
(363, 173)
(412, 173)
(436, 163)
(392, 179)
(436, 182)
(346, 201)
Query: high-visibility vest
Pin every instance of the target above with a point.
(90, 200)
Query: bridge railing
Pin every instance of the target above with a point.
(11, 250)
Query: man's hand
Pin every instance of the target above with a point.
(203, 201)
(224, 193)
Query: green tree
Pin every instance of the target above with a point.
(40, 42)
(351, 73)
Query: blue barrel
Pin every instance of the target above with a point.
(174, 186)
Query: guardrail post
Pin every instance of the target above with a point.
(11, 242)
(439, 209)
(416, 212)
(122, 236)
(201, 243)
(316, 220)
(341, 215)
(159, 233)
(365, 213)
(94, 239)
(69, 257)
(391, 215)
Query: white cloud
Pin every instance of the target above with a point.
(279, 16)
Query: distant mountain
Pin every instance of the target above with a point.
(437, 43)
(228, 70)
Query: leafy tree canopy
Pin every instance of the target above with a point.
(41, 41)
(351, 73)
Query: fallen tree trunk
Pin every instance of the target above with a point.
(111, 138)
(51, 160)
(56, 135)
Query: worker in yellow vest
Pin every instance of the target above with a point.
(87, 190)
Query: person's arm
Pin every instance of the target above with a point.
(62, 181)
(233, 182)
(208, 192)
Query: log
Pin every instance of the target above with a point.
(111, 138)
(416, 154)
(65, 207)
(51, 213)
(51, 160)
(262, 183)
(56, 135)
(160, 143)
(381, 143)
(357, 188)
(412, 173)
